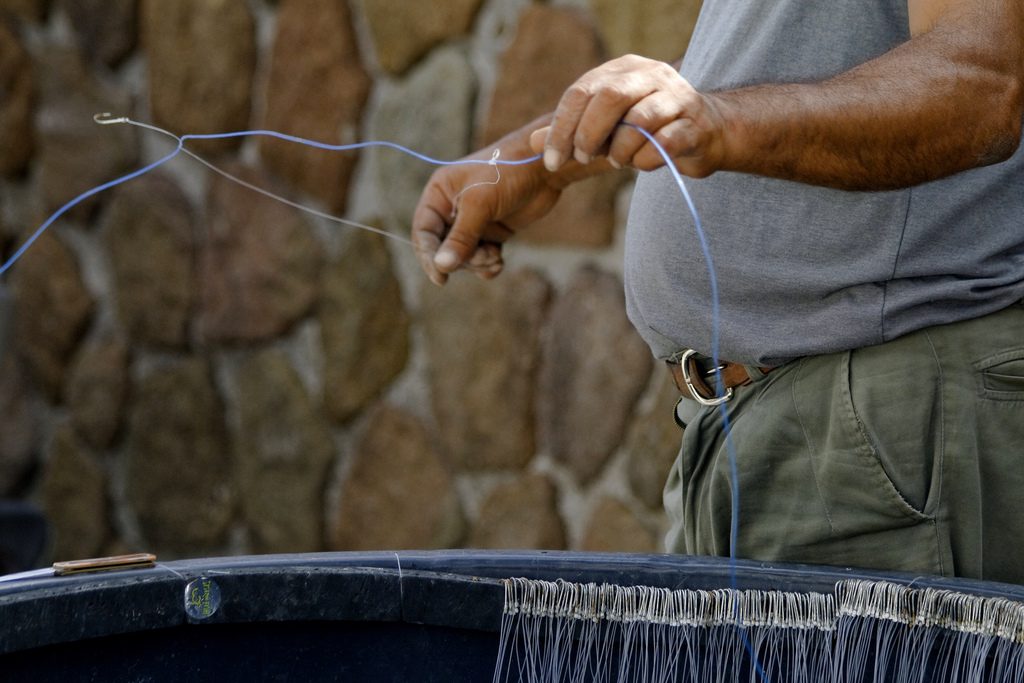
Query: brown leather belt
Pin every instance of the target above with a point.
(697, 382)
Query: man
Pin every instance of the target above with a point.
(862, 187)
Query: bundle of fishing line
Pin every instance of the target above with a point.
(864, 631)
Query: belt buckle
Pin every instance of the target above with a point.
(697, 396)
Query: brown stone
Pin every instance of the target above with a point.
(8, 243)
(653, 443)
(283, 449)
(317, 89)
(613, 528)
(6, 238)
(595, 367)
(404, 32)
(201, 57)
(430, 112)
(553, 47)
(52, 310)
(27, 10)
(16, 84)
(19, 426)
(96, 390)
(398, 493)
(149, 235)
(520, 514)
(106, 30)
(364, 326)
(483, 345)
(76, 154)
(178, 464)
(659, 29)
(259, 264)
(75, 498)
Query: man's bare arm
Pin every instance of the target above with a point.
(949, 99)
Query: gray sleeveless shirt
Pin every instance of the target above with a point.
(805, 270)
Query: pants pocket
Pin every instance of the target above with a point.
(1001, 376)
(862, 420)
(864, 443)
(896, 398)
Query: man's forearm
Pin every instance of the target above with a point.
(932, 107)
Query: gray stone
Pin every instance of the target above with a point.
(96, 390)
(283, 449)
(364, 326)
(201, 57)
(614, 528)
(404, 32)
(595, 367)
(52, 310)
(317, 89)
(178, 464)
(16, 84)
(398, 493)
(652, 444)
(74, 153)
(523, 514)
(429, 112)
(106, 30)
(484, 346)
(659, 29)
(74, 498)
(149, 236)
(18, 425)
(259, 265)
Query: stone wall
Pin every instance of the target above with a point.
(200, 370)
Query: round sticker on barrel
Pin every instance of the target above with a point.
(202, 598)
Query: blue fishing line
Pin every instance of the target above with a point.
(712, 277)
(709, 262)
(359, 145)
(219, 136)
(719, 388)
(81, 198)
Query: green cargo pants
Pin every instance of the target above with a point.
(904, 456)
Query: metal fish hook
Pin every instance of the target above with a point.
(106, 118)
(497, 170)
